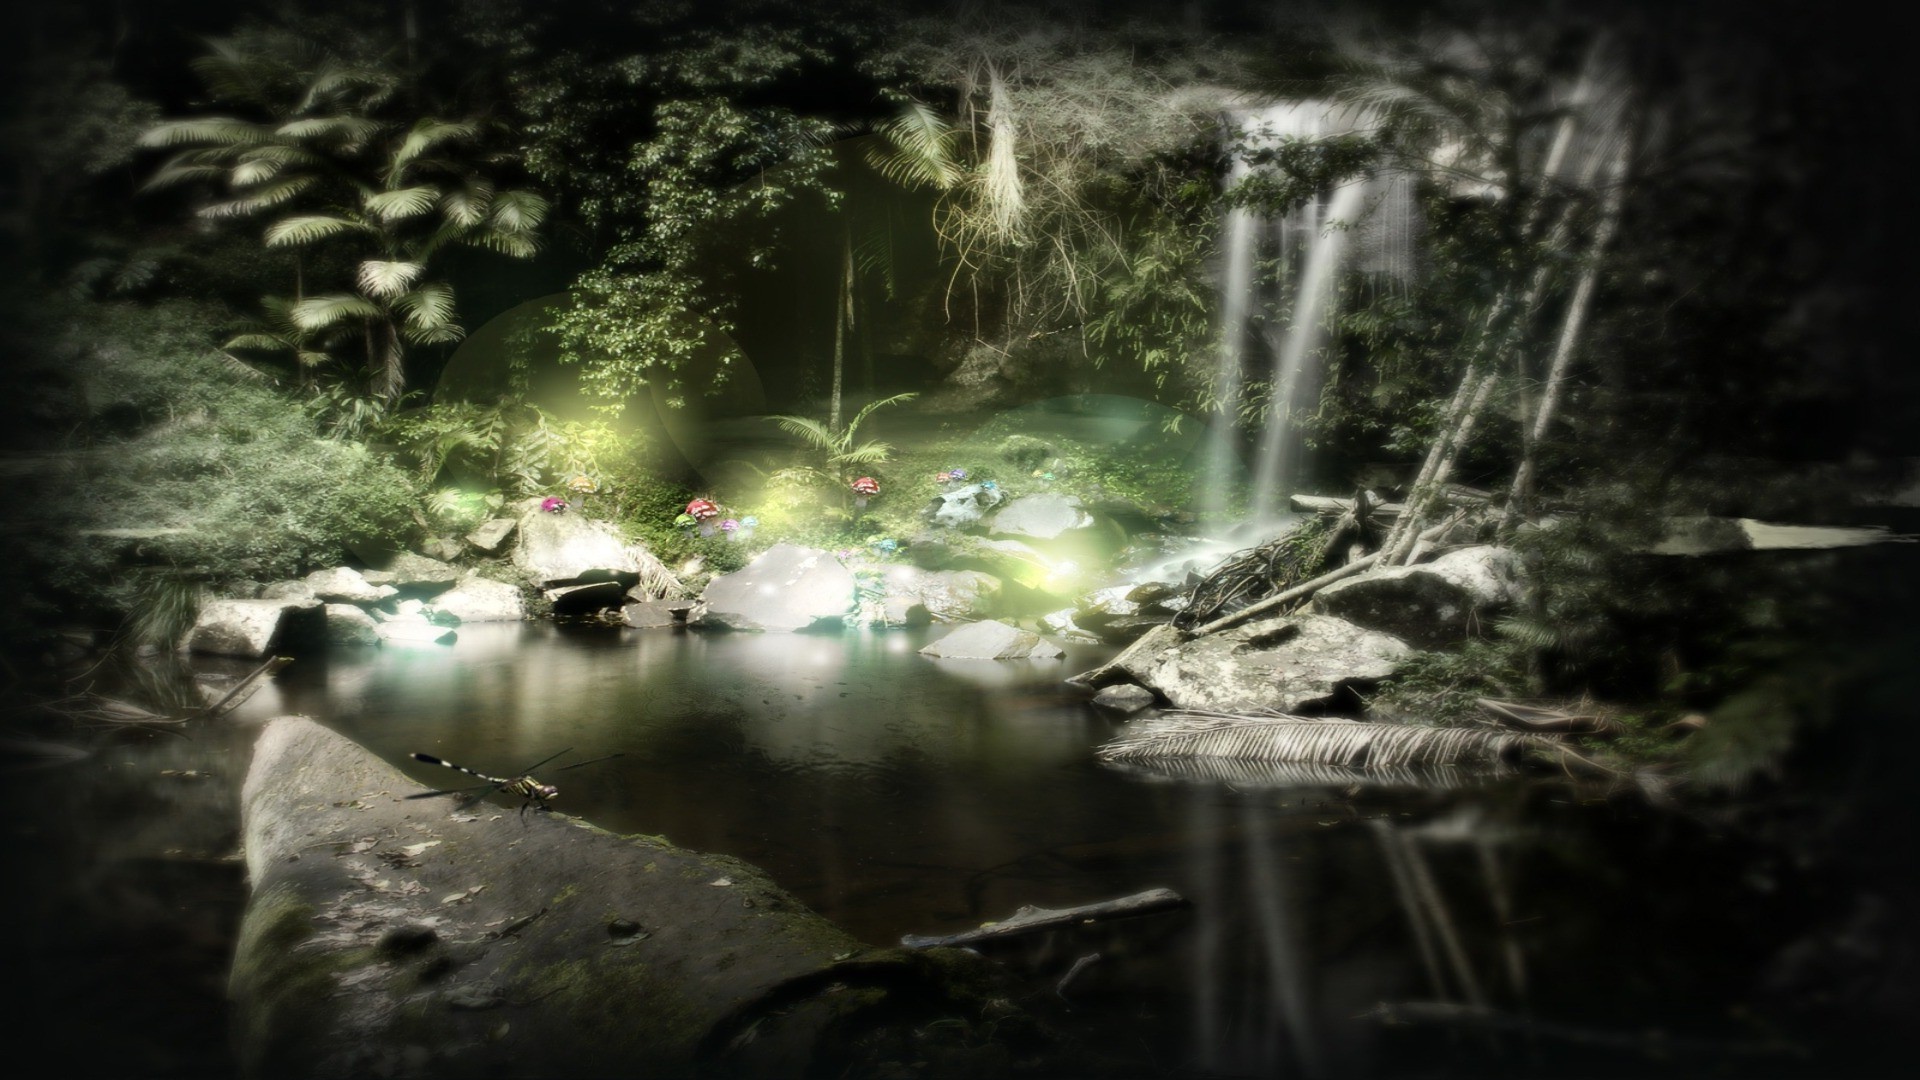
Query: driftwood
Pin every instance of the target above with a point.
(1329, 506)
(1308, 588)
(1353, 744)
(249, 683)
(1546, 721)
(1033, 920)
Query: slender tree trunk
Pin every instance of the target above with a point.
(391, 371)
(842, 319)
(1522, 491)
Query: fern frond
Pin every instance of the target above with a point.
(814, 432)
(263, 198)
(873, 406)
(216, 130)
(424, 136)
(428, 308)
(923, 149)
(518, 211)
(467, 206)
(351, 130)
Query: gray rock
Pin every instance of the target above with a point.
(646, 613)
(417, 574)
(1124, 698)
(1429, 605)
(254, 628)
(962, 507)
(1046, 515)
(566, 549)
(349, 624)
(1289, 664)
(785, 588)
(938, 595)
(1132, 661)
(991, 640)
(287, 590)
(491, 534)
(640, 958)
(477, 599)
(442, 549)
(345, 585)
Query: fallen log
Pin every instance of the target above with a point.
(1033, 920)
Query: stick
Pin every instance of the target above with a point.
(1307, 588)
(1032, 920)
(272, 665)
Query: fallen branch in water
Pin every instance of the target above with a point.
(1033, 920)
(249, 684)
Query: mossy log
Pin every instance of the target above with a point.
(388, 937)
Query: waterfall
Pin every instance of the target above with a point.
(1282, 314)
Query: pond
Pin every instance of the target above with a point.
(1336, 930)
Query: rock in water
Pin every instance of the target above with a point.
(992, 640)
(388, 937)
(1045, 516)
(253, 628)
(348, 624)
(1290, 664)
(1429, 605)
(478, 599)
(786, 588)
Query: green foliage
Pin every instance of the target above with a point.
(183, 472)
(1439, 687)
(839, 457)
(330, 161)
(1290, 172)
(678, 155)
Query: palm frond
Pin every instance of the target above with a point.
(179, 172)
(518, 211)
(307, 228)
(923, 149)
(867, 453)
(215, 130)
(346, 129)
(813, 431)
(402, 203)
(518, 245)
(429, 308)
(424, 136)
(872, 406)
(385, 279)
(467, 206)
(262, 198)
(1297, 774)
(1346, 743)
(321, 312)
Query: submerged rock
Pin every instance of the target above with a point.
(1292, 664)
(1430, 605)
(645, 613)
(384, 936)
(991, 640)
(1124, 698)
(785, 588)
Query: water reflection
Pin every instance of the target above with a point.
(895, 794)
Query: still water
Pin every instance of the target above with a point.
(1532, 928)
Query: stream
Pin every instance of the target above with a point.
(1524, 927)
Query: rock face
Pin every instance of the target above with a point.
(1292, 664)
(991, 641)
(564, 548)
(1044, 516)
(787, 587)
(1124, 698)
(253, 628)
(487, 945)
(1429, 605)
(645, 613)
(583, 599)
(478, 599)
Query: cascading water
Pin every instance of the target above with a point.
(1282, 313)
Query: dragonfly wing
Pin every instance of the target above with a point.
(589, 761)
(472, 800)
(528, 771)
(453, 791)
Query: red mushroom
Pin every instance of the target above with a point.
(701, 509)
(866, 486)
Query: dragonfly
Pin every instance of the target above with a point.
(536, 794)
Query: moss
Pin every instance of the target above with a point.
(275, 980)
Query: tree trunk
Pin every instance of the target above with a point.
(391, 369)
(842, 318)
(1577, 309)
